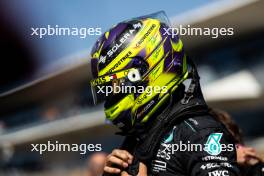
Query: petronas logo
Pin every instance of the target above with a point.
(213, 146)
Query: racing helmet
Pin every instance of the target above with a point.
(136, 66)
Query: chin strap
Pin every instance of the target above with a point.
(195, 83)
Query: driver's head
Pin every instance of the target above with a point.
(136, 65)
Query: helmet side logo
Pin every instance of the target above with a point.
(102, 59)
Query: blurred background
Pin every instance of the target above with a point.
(44, 82)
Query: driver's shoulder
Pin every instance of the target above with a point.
(197, 126)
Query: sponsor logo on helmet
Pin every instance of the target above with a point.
(146, 108)
(137, 25)
(102, 59)
(113, 76)
(145, 35)
(98, 81)
(120, 62)
(122, 40)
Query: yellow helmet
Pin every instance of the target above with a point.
(136, 66)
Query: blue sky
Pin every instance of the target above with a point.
(82, 13)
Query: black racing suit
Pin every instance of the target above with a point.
(255, 170)
(184, 121)
(190, 134)
(194, 130)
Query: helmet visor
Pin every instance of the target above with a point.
(160, 15)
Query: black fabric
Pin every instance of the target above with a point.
(146, 146)
(255, 170)
(194, 130)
